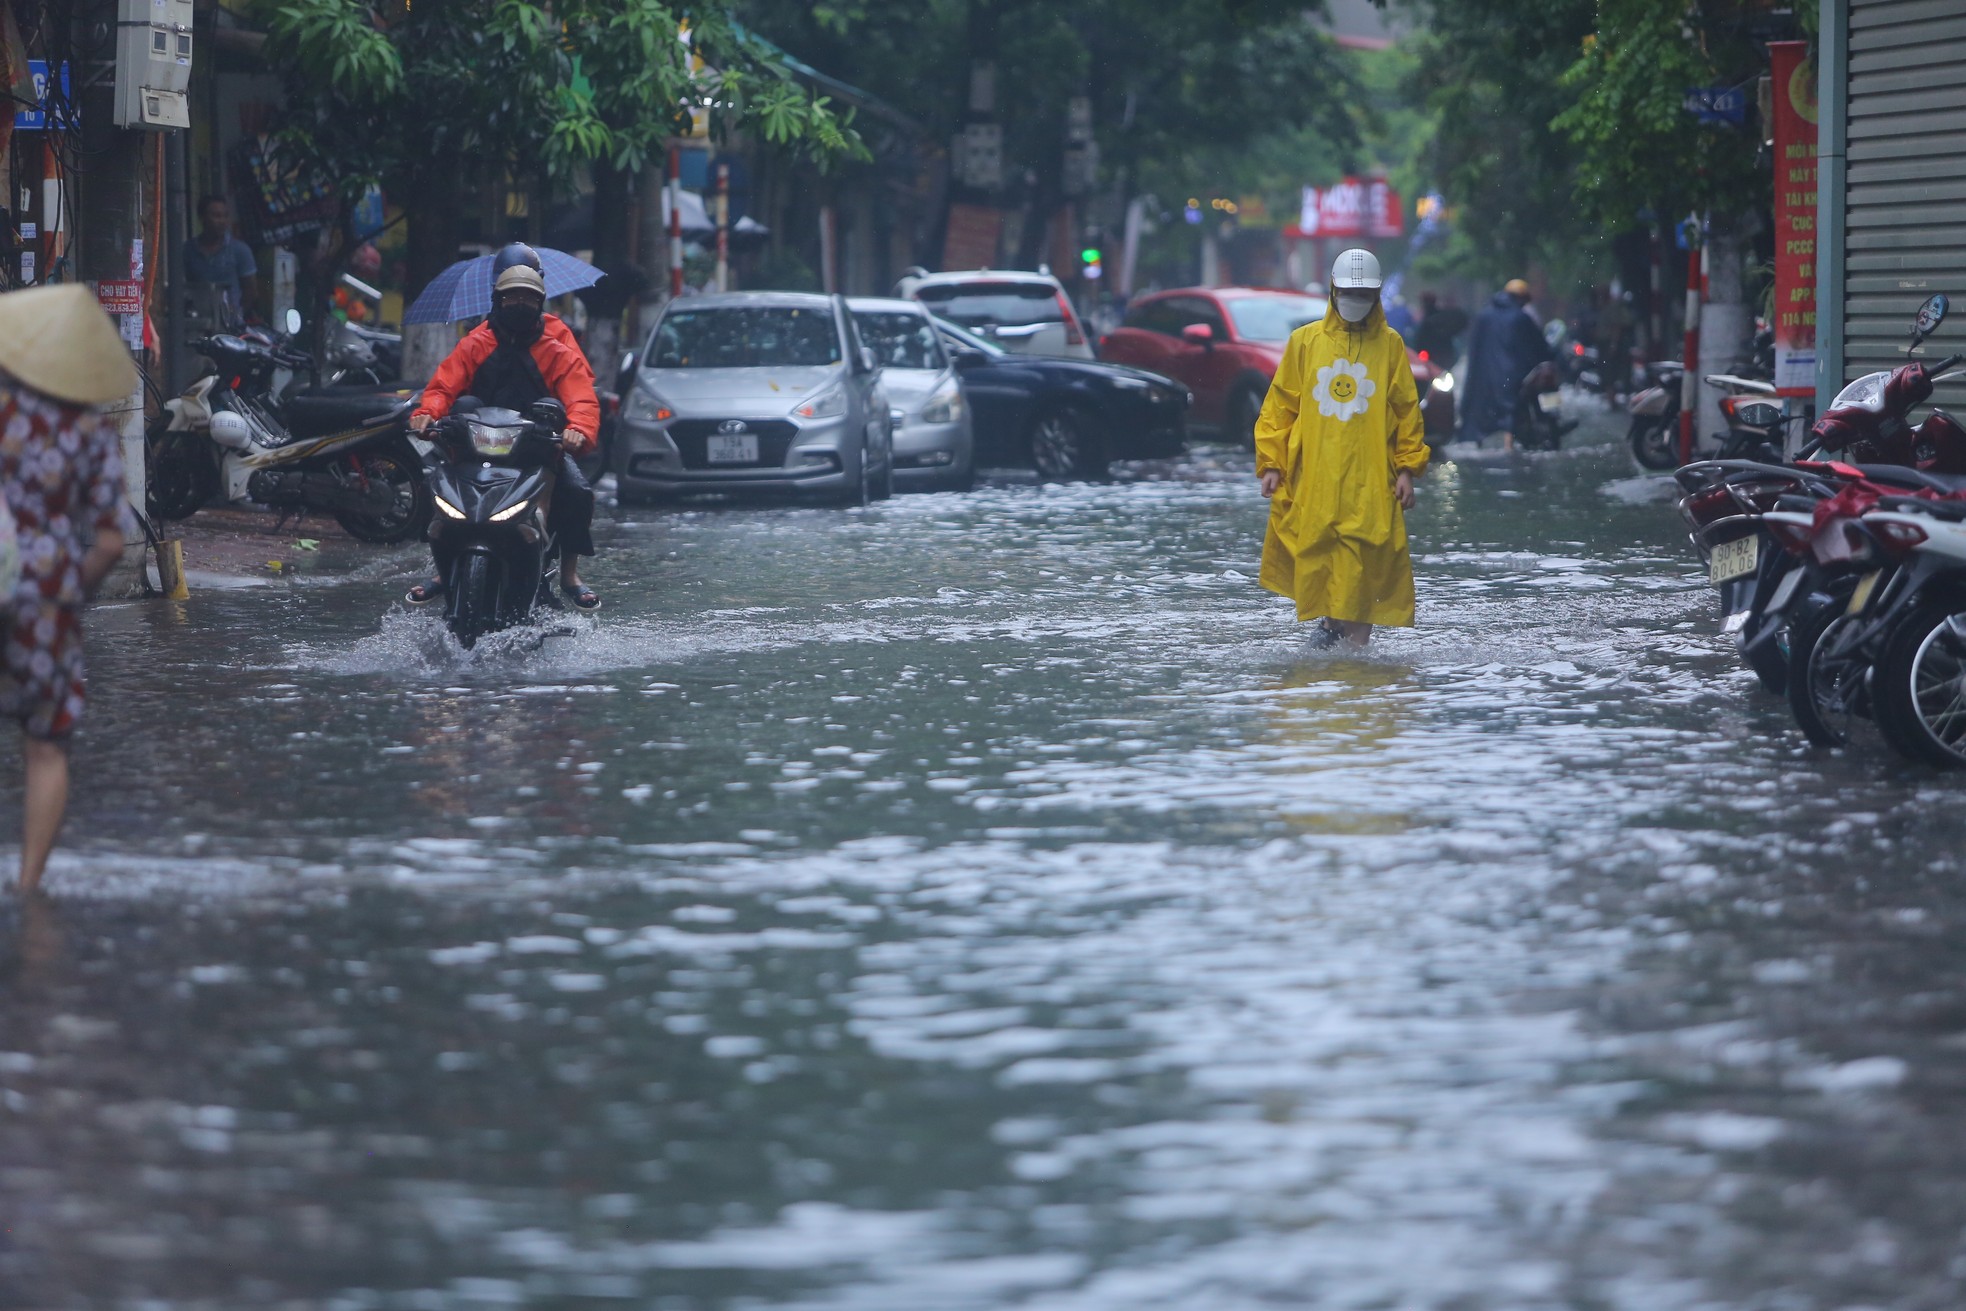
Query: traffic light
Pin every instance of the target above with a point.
(1089, 264)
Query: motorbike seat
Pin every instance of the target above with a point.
(319, 411)
(1898, 475)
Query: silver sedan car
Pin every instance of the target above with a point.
(933, 446)
(755, 393)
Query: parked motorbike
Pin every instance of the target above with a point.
(1539, 421)
(491, 476)
(1654, 433)
(1868, 594)
(246, 432)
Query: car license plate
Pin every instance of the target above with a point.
(733, 448)
(1550, 401)
(1784, 592)
(1732, 559)
(1860, 598)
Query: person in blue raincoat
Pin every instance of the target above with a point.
(1503, 346)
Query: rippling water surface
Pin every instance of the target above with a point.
(985, 901)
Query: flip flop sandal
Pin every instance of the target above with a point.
(583, 597)
(424, 593)
(1322, 637)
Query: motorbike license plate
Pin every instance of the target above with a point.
(1784, 592)
(733, 448)
(1732, 559)
(1860, 598)
(1550, 402)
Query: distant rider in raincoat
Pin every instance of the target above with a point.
(1338, 445)
(1503, 347)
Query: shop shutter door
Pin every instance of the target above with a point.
(1907, 180)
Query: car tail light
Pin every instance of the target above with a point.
(1073, 337)
(1897, 536)
(1576, 348)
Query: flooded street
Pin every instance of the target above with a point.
(985, 901)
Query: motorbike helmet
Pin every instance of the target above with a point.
(1518, 288)
(519, 277)
(1356, 270)
(231, 430)
(515, 254)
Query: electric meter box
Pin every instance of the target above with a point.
(153, 64)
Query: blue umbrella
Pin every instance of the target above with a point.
(464, 290)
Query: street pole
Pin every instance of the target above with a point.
(1689, 383)
(723, 227)
(675, 221)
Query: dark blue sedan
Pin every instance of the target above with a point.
(1066, 418)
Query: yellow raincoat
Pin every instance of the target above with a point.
(1342, 418)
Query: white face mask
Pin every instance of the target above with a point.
(1353, 306)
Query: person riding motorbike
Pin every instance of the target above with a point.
(518, 355)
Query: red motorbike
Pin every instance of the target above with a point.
(1868, 422)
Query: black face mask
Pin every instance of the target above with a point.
(519, 318)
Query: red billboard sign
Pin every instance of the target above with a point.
(1793, 80)
(1355, 207)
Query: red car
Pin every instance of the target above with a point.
(1226, 343)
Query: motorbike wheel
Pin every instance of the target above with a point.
(1825, 682)
(475, 612)
(410, 511)
(1064, 446)
(178, 475)
(1920, 686)
(1655, 443)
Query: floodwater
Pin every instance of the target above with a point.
(985, 901)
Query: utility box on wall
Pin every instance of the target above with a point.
(153, 63)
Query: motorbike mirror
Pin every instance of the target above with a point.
(1930, 315)
(548, 414)
(293, 322)
(467, 405)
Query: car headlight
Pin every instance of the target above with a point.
(448, 508)
(946, 406)
(826, 404)
(644, 406)
(1445, 382)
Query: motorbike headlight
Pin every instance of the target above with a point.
(487, 439)
(1445, 382)
(946, 406)
(511, 511)
(644, 406)
(828, 403)
(448, 508)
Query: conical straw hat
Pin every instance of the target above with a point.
(59, 341)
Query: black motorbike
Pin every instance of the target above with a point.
(491, 477)
(247, 432)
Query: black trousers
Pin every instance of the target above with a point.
(570, 512)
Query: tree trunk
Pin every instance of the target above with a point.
(431, 217)
(608, 299)
(1725, 320)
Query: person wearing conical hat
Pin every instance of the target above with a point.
(61, 470)
(1338, 445)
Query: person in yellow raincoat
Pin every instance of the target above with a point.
(1338, 445)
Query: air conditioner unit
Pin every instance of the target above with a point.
(153, 64)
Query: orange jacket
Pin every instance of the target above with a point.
(560, 362)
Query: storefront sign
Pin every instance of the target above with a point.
(1794, 85)
(1717, 104)
(35, 118)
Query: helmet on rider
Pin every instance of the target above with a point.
(1355, 284)
(518, 289)
(518, 253)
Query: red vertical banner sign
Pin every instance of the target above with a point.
(1794, 84)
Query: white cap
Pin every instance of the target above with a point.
(1356, 269)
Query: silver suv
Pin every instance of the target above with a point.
(1028, 313)
(755, 393)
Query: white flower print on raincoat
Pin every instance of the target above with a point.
(1344, 390)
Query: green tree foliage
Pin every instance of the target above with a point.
(425, 98)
